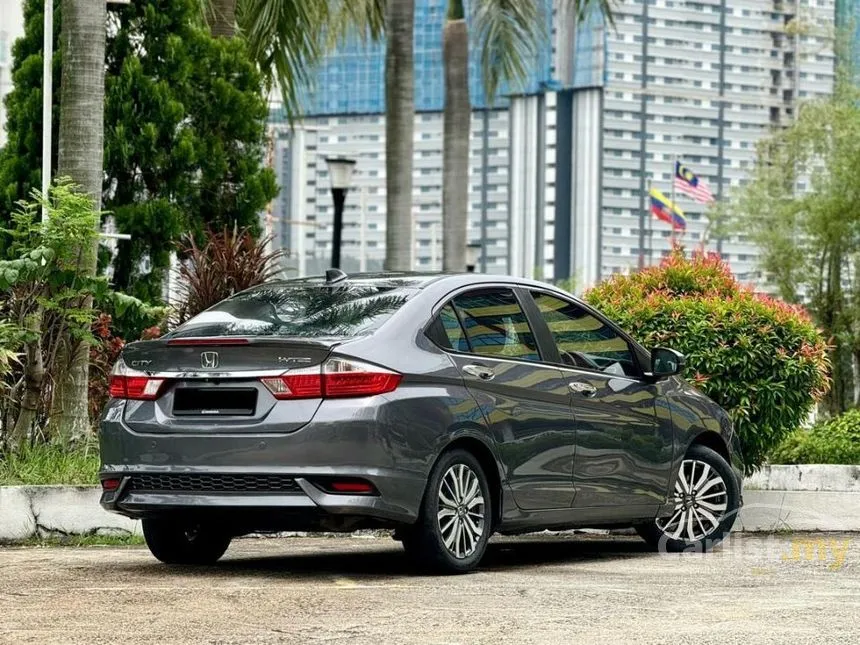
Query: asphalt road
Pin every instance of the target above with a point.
(547, 589)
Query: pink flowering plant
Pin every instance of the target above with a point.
(761, 359)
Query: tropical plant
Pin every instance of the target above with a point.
(41, 289)
(80, 158)
(809, 237)
(229, 262)
(185, 136)
(399, 132)
(457, 129)
(761, 359)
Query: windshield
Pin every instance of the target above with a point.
(304, 310)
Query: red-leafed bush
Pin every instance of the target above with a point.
(761, 359)
(229, 262)
(104, 352)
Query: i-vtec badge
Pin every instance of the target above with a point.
(209, 360)
(295, 360)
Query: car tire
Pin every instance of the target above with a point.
(175, 542)
(707, 498)
(454, 525)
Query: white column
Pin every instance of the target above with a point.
(586, 185)
(515, 172)
(522, 210)
(362, 233)
(434, 241)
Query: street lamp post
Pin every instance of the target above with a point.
(340, 171)
(473, 254)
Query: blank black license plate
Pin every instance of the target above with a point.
(201, 401)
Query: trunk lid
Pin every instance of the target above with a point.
(212, 385)
(208, 356)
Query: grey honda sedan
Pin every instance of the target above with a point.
(444, 407)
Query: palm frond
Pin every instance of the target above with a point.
(582, 8)
(510, 34)
(348, 18)
(285, 39)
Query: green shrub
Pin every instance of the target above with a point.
(836, 441)
(762, 360)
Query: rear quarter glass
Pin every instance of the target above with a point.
(301, 311)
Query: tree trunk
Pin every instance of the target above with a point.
(455, 153)
(399, 132)
(81, 152)
(221, 18)
(34, 375)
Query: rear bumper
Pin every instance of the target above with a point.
(357, 443)
(308, 508)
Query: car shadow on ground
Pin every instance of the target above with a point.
(388, 560)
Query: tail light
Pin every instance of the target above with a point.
(338, 378)
(126, 383)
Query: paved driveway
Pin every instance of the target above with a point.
(777, 589)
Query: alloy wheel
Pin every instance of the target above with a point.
(461, 510)
(701, 500)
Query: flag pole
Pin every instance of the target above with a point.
(650, 228)
(674, 168)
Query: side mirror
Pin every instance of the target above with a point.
(666, 362)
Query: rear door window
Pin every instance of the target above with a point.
(455, 337)
(301, 310)
(495, 325)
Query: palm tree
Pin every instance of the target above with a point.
(399, 132)
(287, 37)
(509, 34)
(81, 151)
(457, 129)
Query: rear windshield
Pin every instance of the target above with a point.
(305, 310)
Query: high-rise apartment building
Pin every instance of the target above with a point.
(560, 174)
(701, 81)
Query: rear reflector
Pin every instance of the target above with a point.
(192, 342)
(110, 485)
(338, 378)
(346, 486)
(357, 487)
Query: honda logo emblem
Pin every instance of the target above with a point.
(209, 360)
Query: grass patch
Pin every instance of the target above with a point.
(81, 541)
(50, 464)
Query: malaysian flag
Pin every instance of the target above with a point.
(688, 182)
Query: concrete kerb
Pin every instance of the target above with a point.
(777, 498)
(48, 511)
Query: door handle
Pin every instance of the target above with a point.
(483, 373)
(585, 389)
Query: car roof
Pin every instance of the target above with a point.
(415, 280)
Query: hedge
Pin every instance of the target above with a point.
(762, 360)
